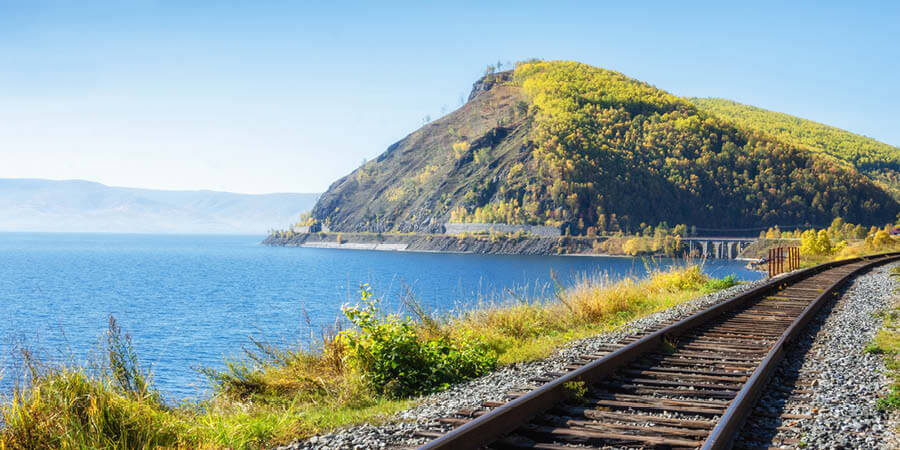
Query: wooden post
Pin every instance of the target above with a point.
(780, 267)
(770, 262)
(777, 260)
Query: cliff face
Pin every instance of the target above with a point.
(415, 183)
(589, 150)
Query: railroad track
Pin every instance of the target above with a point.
(687, 384)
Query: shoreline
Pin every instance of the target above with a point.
(497, 244)
(402, 248)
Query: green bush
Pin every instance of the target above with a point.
(397, 362)
(717, 284)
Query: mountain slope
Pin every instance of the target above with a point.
(566, 144)
(84, 206)
(875, 159)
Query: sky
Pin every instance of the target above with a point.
(268, 96)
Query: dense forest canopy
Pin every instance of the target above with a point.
(567, 144)
(876, 159)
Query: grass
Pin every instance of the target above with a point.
(276, 395)
(526, 331)
(887, 344)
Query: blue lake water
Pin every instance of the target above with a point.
(190, 301)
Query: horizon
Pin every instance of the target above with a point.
(281, 98)
(81, 180)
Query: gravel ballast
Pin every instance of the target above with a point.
(846, 381)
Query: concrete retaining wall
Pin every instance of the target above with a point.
(316, 228)
(537, 230)
(357, 246)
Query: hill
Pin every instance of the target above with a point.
(566, 144)
(84, 206)
(877, 160)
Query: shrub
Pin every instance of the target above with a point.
(718, 284)
(460, 149)
(395, 361)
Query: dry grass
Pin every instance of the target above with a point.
(274, 396)
(525, 331)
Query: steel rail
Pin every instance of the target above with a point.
(508, 417)
(722, 436)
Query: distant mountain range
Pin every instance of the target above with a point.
(85, 206)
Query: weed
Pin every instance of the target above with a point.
(719, 284)
(668, 346)
(576, 391)
(887, 344)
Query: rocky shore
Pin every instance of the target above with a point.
(504, 244)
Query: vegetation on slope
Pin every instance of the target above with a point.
(357, 375)
(609, 145)
(876, 159)
(566, 144)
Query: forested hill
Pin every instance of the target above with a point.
(875, 159)
(567, 144)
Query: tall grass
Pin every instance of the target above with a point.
(523, 331)
(275, 395)
(69, 407)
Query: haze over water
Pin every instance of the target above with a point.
(190, 300)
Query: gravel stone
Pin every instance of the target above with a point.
(845, 381)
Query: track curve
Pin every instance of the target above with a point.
(690, 384)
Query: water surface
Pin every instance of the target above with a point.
(190, 300)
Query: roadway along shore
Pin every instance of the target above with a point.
(496, 244)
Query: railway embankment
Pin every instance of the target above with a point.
(402, 429)
(825, 392)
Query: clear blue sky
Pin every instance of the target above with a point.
(263, 96)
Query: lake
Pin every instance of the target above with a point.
(191, 300)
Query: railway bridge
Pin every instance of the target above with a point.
(717, 247)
